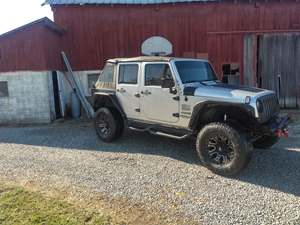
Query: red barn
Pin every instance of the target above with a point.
(256, 40)
(28, 55)
(253, 42)
(34, 46)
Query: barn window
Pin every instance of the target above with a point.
(92, 79)
(128, 74)
(3, 89)
(231, 73)
(202, 55)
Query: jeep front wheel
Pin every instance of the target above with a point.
(222, 149)
(107, 125)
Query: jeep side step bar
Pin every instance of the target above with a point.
(159, 133)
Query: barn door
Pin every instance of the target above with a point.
(279, 67)
(250, 57)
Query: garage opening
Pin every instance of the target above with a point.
(58, 112)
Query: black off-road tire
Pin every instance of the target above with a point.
(239, 150)
(265, 142)
(120, 122)
(108, 125)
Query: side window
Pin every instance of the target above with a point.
(107, 74)
(155, 72)
(128, 74)
(3, 89)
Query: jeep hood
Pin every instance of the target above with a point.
(222, 91)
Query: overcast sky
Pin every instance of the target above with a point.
(15, 13)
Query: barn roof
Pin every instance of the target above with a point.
(46, 22)
(86, 2)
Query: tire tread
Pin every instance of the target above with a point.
(243, 149)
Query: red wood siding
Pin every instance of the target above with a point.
(96, 33)
(52, 44)
(36, 48)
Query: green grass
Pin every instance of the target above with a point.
(21, 207)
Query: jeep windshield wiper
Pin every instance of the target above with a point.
(213, 79)
(192, 81)
(200, 81)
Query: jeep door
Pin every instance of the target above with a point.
(128, 89)
(157, 103)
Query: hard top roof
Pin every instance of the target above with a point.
(149, 59)
(141, 59)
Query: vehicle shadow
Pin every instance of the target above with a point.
(276, 168)
(85, 138)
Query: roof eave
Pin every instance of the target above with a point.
(43, 21)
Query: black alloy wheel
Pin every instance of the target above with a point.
(108, 124)
(222, 149)
(103, 126)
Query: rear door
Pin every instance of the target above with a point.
(128, 89)
(157, 103)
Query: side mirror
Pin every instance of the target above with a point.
(167, 82)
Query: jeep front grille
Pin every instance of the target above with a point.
(270, 107)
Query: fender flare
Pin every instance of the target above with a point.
(202, 107)
(111, 95)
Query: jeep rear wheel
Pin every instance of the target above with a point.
(222, 149)
(107, 125)
(265, 142)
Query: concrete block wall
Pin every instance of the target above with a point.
(29, 99)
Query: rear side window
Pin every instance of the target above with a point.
(155, 72)
(107, 74)
(128, 74)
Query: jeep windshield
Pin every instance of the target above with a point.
(195, 71)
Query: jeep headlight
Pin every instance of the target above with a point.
(247, 99)
(259, 106)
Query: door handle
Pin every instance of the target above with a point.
(121, 90)
(137, 95)
(146, 92)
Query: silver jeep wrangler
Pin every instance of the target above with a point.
(182, 98)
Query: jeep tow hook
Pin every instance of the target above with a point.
(282, 133)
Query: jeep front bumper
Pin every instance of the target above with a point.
(278, 126)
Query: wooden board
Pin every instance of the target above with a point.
(249, 60)
(278, 69)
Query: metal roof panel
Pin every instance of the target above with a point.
(86, 2)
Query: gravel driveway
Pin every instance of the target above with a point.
(159, 173)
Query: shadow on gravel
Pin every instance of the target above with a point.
(85, 138)
(277, 168)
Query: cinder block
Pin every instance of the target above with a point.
(28, 99)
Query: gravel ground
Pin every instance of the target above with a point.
(160, 173)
